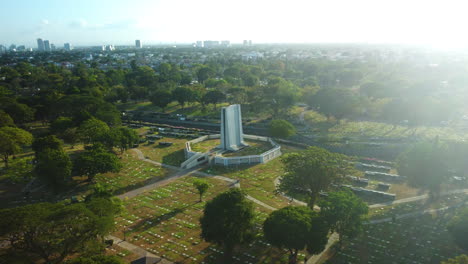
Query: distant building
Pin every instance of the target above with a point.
(247, 42)
(46, 45)
(12, 47)
(138, 44)
(250, 42)
(225, 43)
(52, 47)
(21, 48)
(40, 44)
(109, 48)
(210, 43)
(67, 46)
(2, 49)
(199, 44)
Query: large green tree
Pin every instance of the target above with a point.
(228, 220)
(12, 139)
(424, 165)
(281, 128)
(311, 171)
(296, 228)
(47, 142)
(96, 159)
(161, 98)
(344, 213)
(92, 130)
(50, 232)
(54, 167)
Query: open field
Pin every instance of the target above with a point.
(165, 221)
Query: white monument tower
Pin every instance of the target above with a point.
(232, 136)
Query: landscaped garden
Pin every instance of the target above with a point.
(165, 221)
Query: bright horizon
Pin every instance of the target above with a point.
(90, 22)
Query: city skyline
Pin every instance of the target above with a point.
(121, 22)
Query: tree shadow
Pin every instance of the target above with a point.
(174, 158)
(151, 222)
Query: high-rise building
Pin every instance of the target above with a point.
(67, 46)
(2, 49)
(138, 44)
(210, 43)
(40, 44)
(250, 42)
(52, 47)
(246, 42)
(199, 44)
(225, 43)
(46, 45)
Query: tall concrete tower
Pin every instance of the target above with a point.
(232, 136)
(138, 44)
(40, 44)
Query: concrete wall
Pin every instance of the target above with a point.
(229, 161)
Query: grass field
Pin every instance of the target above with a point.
(254, 148)
(165, 222)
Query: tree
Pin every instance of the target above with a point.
(182, 95)
(213, 97)
(12, 139)
(5, 119)
(458, 228)
(462, 259)
(281, 128)
(204, 73)
(96, 159)
(92, 130)
(311, 171)
(53, 167)
(344, 213)
(161, 98)
(48, 142)
(424, 165)
(49, 232)
(202, 186)
(228, 221)
(71, 136)
(296, 228)
(61, 124)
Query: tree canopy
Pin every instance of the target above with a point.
(281, 128)
(458, 228)
(311, 171)
(96, 159)
(344, 212)
(296, 228)
(12, 140)
(228, 220)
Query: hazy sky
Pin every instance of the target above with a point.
(88, 22)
